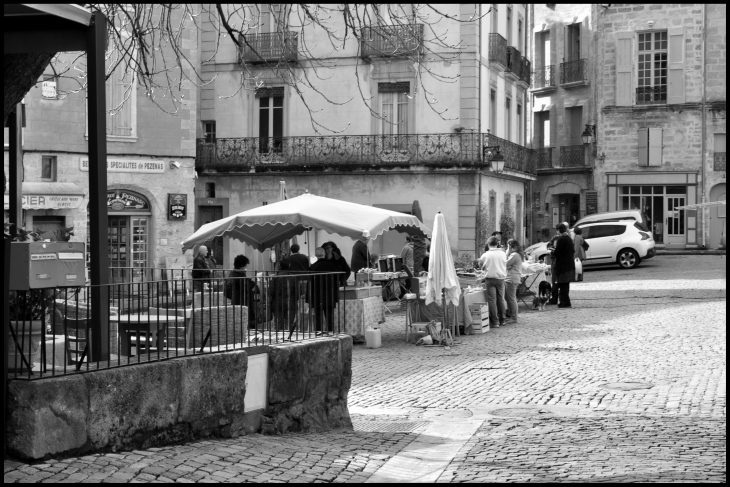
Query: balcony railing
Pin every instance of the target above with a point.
(514, 61)
(719, 161)
(391, 40)
(269, 47)
(574, 71)
(572, 156)
(359, 150)
(651, 95)
(498, 49)
(544, 157)
(543, 77)
(526, 70)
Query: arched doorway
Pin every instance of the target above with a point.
(717, 215)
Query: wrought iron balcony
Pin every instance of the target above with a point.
(543, 77)
(498, 49)
(544, 157)
(268, 48)
(391, 40)
(311, 153)
(574, 72)
(719, 161)
(514, 62)
(526, 70)
(572, 156)
(651, 95)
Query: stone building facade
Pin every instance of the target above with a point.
(151, 168)
(563, 104)
(661, 88)
(253, 135)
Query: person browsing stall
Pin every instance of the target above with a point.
(359, 255)
(297, 261)
(494, 264)
(323, 292)
(334, 255)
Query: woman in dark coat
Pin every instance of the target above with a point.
(283, 297)
(335, 256)
(201, 269)
(243, 289)
(564, 265)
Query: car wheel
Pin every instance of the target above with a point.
(628, 259)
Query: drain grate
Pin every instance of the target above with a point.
(388, 427)
(626, 386)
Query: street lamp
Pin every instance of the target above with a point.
(589, 134)
(495, 158)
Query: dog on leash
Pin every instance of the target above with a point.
(544, 291)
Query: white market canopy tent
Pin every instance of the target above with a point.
(699, 206)
(265, 226)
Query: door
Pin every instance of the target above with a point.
(717, 216)
(674, 228)
(210, 214)
(604, 241)
(117, 239)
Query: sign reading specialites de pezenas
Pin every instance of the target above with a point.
(114, 164)
(177, 206)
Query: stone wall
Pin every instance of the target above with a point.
(308, 386)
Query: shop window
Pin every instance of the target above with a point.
(48, 168)
(719, 161)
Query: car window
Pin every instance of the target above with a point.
(641, 226)
(586, 231)
(599, 231)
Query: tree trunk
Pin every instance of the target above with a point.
(21, 74)
(419, 243)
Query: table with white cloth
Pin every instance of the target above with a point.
(359, 314)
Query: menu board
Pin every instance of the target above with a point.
(591, 202)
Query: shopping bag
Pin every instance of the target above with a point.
(578, 270)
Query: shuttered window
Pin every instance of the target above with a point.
(119, 102)
(650, 147)
(624, 64)
(643, 147)
(676, 66)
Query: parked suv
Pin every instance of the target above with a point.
(625, 242)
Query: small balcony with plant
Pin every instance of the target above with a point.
(391, 41)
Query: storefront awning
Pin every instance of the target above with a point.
(49, 196)
(698, 206)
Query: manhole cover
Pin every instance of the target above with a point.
(626, 386)
(388, 427)
(447, 414)
(519, 412)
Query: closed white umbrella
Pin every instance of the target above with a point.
(441, 270)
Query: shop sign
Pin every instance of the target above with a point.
(591, 202)
(114, 164)
(47, 201)
(177, 206)
(121, 200)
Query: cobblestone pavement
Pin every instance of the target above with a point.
(629, 385)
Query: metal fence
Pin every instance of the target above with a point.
(53, 334)
(268, 47)
(651, 95)
(574, 71)
(498, 49)
(391, 40)
(544, 157)
(572, 156)
(543, 77)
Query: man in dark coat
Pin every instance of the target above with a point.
(201, 269)
(359, 255)
(334, 255)
(564, 265)
(323, 292)
(243, 288)
(297, 261)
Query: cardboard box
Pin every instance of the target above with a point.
(479, 318)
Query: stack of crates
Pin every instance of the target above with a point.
(479, 318)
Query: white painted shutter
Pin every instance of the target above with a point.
(643, 147)
(676, 51)
(624, 69)
(655, 147)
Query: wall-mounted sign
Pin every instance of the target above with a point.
(177, 206)
(123, 200)
(591, 202)
(114, 164)
(48, 201)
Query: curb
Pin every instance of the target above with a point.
(690, 252)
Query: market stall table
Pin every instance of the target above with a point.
(145, 325)
(363, 308)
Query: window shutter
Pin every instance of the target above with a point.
(676, 66)
(624, 65)
(585, 25)
(643, 147)
(655, 147)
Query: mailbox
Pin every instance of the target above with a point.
(71, 264)
(33, 265)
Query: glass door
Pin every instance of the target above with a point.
(674, 228)
(117, 235)
(140, 236)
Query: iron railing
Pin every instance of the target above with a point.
(498, 49)
(526, 71)
(52, 334)
(574, 71)
(351, 150)
(268, 47)
(651, 95)
(514, 62)
(719, 161)
(544, 157)
(572, 156)
(516, 157)
(543, 77)
(391, 40)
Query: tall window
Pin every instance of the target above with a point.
(519, 124)
(508, 117)
(119, 102)
(652, 68)
(509, 26)
(572, 42)
(495, 19)
(519, 36)
(542, 129)
(209, 131)
(270, 16)
(271, 119)
(394, 107)
(48, 168)
(493, 111)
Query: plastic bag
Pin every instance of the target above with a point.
(578, 270)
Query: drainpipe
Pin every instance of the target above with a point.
(704, 127)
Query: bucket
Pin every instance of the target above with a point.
(372, 338)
